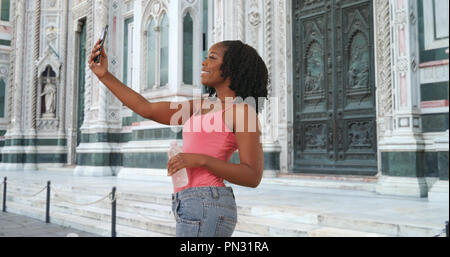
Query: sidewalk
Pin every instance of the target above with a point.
(12, 225)
(278, 207)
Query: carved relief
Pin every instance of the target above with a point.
(358, 54)
(315, 136)
(359, 134)
(314, 70)
(314, 84)
(52, 4)
(358, 74)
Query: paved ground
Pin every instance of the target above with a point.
(12, 225)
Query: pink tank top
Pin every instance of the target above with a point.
(207, 134)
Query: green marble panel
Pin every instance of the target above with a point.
(435, 122)
(145, 160)
(434, 91)
(35, 142)
(431, 164)
(427, 55)
(271, 160)
(155, 134)
(443, 165)
(34, 158)
(403, 164)
(99, 159)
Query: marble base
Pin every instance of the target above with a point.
(402, 186)
(48, 116)
(142, 174)
(439, 192)
(30, 166)
(11, 166)
(270, 173)
(93, 171)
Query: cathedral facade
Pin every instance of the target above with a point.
(357, 87)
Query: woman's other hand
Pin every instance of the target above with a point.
(99, 69)
(184, 160)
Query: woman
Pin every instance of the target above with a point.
(231, 71)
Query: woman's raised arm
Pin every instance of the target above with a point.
(161, 112)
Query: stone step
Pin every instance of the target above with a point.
(346, 182)
(159, 206)
(139, 221)
(75, 191)
(279, 228)
(81, 223)
(147, 222)
(379, 226)
(96, 226)
(153, 209)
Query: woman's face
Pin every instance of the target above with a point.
(211, 73)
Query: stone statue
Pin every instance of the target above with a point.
(50, 99)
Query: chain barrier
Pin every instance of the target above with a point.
(444, 231)
(64, 199)
(153, 219)
(28, 196)
(440, 233)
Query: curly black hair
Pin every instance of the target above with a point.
(247, 71)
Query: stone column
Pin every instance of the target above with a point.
(95, 154)
(282, 82)
(34, 78)
(270, 119)
(239, 19)
(63, 77)
(13, 151)
(100, 19)
(255, 24)
(401, 146)
(218, 34)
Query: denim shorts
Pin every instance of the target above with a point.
(205, 212)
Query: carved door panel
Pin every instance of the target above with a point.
(334, 87)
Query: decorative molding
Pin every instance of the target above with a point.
(153, 10)
(16, 115)
(269, 127)
(36, 50)
(383, 65)
(239, 19)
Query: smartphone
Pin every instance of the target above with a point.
(102, 42)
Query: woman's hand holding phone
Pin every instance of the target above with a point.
(99, 69)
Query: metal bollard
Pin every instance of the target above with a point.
(4, 194)
(446, 228)
(47, 213)
(113, 214)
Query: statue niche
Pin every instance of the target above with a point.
(48, 94)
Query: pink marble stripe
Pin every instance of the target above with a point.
(433, 63)
(435, 104)
(114, 34)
